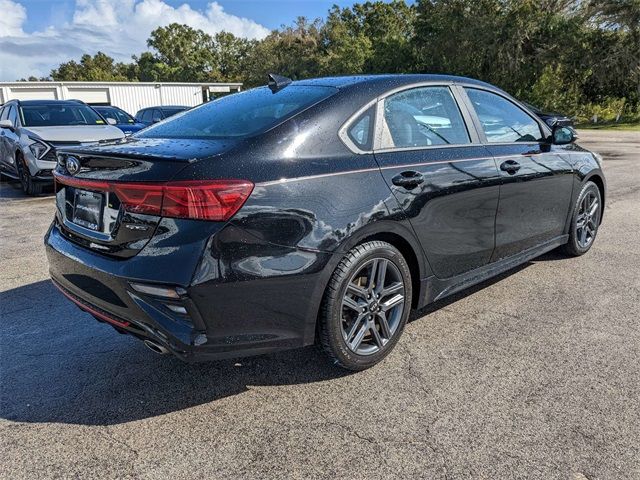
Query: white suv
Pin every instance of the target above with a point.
(31, 130)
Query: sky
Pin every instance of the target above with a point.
(37, 35)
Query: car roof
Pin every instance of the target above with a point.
(164, 106)
(50, 102)
(388, 80)
(378, 84)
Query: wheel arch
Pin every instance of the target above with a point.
(599, 181)
(404, 240)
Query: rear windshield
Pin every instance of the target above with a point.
(53, 115)
(240, 114)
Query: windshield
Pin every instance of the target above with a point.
(53, 115)
(240, 114)
(118, 115)
(167, 112)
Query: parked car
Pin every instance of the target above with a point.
(551, 118)
(316, 211)
(32, 130)
(151, 115)
(122, 119)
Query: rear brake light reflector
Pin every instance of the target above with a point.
(216, 200)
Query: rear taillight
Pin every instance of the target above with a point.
(216, 200)
(208, 200)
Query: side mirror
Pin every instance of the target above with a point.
(562, 135)
(111, 121)
(7, 124)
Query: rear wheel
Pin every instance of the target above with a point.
(585, 221)
(29, 186)
(366, 305)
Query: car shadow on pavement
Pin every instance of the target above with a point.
(12, 189)
(57, 364)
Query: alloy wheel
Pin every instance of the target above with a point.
(372, 306)
(587, 219)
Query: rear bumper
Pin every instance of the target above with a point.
(229, 313)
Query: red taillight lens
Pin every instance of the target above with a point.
(139, 197)
(206, 200)
(216, 200)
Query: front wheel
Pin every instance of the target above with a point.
(29, 186)
(366, 305)
(585, 221)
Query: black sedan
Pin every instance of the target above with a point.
(315, 212)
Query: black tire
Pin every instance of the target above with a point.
(584, 225)
(382, 323)
(29, 186)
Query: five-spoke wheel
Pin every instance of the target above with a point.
(366, 305)
(372, 306)
(585, 222)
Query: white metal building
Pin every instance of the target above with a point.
(130, 96)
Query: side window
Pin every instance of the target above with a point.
(146, 116)
(4, 113)
(13, 115)
(156, 115)
(422, 117)
(361, 131)
(503, 121)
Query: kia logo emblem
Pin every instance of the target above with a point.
(73, 165)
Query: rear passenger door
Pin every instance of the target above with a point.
(444, 179)
(536, 185)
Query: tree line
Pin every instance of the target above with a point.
(580, 57)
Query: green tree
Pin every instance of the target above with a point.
(370, 37)
(294, 51)
(182, 54)
(232, 56)
(99, 67)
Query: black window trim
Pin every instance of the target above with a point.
(544, 128)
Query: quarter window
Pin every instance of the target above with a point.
(503, 121)
(361, 131)
(422, 117)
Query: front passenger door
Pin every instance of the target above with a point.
(536, 186)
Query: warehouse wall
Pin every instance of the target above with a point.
(131, 97)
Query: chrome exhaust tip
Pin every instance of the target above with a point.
(156, 347)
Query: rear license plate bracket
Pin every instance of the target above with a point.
(87, 209)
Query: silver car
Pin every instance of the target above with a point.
(31, 130)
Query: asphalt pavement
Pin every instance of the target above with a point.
(535, 374)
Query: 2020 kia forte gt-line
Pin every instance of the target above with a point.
(316, 211)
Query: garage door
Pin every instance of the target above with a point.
(96, 96)
(46, 93)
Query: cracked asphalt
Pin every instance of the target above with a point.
(535, 374)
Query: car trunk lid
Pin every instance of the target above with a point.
(109, 198)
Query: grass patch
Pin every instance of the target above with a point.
(634, 127)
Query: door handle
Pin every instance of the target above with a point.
(408, 180)
(510, 166)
